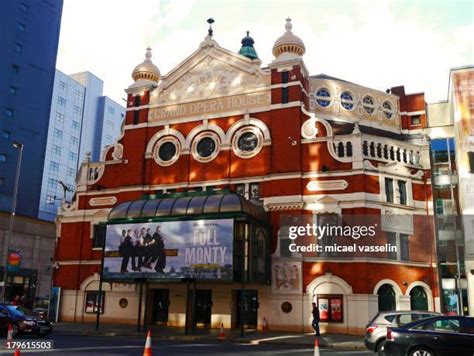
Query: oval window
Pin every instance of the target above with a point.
(323, 97)
(387, 109)
(167, 151)
(206, 147)
(369, 104)
(347, 100)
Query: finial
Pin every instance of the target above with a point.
(210, 21)
(148, 52)
(248, 33)
(288, 25)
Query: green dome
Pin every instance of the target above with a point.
(247, 48)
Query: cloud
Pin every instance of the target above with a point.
(377, 44)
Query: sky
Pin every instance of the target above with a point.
(378, 44)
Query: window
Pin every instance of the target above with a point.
(347, 100)
(72, 156)
(323, 97)
(254, 191)
(9, 112)
(75, 125)
(284, 95)
(108, 138)
(24, 7)
(70, 172)
(167, 152)
(59, 117)
(240, 189)
(111, 110)
(137, 100)
(387, 109)
(61, 101)
(58, 133)
(6, 134)
(56, 150)
(16, 68)
(92, 302)
(247, 142)
(98, 238)
(402, 191)
(52, 183)
(368, 104)
(3, 157)
(62, 85)
(404, 247)
(78, 95)
(74, 141)
(284, 77)
(136, 117)
(389, 190)
(18, 48)
(12, 90)
(386, 298)
(205, 148)
(54, 166)
(392, 240)
(77, 110)
(50, 199)
(440, 325)
(110, 125)
(415, 120)
(330, 307)
(2, 181)
(20, 27)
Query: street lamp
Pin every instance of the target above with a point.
(19, 146)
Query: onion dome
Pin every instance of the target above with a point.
(147, 70)
(288, 43)
(247, 48)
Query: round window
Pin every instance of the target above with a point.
(286, 307)
(247, 142)
(123, 302)
(167, 151)
(206, 147)
(323, 97)
(347, 101)
(368, 104)
(387, 109)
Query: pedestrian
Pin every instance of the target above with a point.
(316, 319)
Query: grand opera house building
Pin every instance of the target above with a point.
(187, 219)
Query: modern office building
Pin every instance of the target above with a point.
(29, 32)
(450, 131)
(218, 161)
(82, 120)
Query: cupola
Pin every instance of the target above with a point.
(147, 71)
(247, 48)
(288, 45)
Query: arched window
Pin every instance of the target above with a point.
(418, 299)
(386, 298)
(340, 149)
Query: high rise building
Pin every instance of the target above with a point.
(82, 120)
(29, 36)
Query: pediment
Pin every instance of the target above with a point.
(210, 72)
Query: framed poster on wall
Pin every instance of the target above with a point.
(331, 307)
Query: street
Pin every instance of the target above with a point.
(75, 345)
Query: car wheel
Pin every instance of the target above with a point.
(421, 351)
(380, 348)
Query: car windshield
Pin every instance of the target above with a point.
(20, 311)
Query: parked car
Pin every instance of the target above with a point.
(437, 336)
(23, 321)
(376, 330)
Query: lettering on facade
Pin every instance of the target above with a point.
(231, 103)
(327, 185)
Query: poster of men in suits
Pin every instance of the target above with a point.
(172, 249)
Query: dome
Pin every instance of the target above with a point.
(288, 42)
(247, 48)
(146, 70)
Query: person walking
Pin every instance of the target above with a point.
(316, 319)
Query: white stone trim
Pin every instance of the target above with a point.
(167, 131)
(206, 134)
(428, 291)
(248, 121)
(328, 278)
(235, 142)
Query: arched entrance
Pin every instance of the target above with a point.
(387, 298)
(418, 299)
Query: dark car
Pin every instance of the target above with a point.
(437, 336)
(23, 321)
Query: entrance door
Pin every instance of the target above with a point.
(250, 308)
(161, 302)
(203, 305)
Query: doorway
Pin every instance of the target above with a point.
(161, 302)
(250, 308)
(203, 305)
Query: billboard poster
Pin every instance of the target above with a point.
(200, 249)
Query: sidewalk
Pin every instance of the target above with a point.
(339, 341)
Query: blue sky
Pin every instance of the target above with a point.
(373, 43)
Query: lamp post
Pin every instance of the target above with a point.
(19, 146)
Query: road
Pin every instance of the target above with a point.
(79, 345)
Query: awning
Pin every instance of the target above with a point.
(187, 206)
